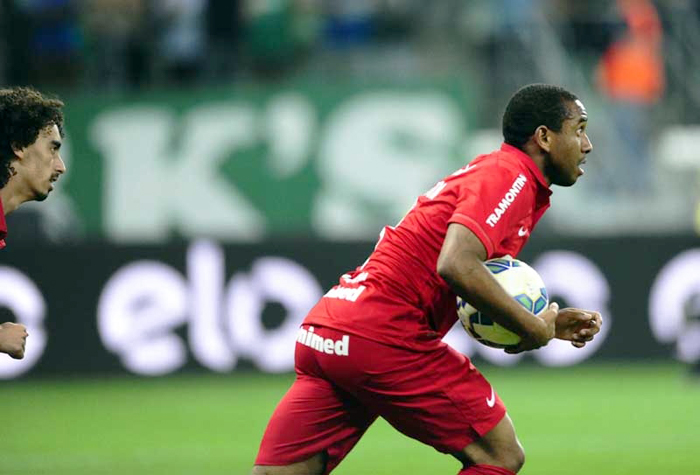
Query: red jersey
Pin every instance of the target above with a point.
(3, 227)
(397, 297)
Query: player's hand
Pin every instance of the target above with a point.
(532, 342)
(12, 339)
(577, 326)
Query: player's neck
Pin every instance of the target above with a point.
(11, 198)
(537, 155)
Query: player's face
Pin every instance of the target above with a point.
(569, 148)
(40, 164)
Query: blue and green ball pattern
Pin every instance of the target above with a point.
(478, 323)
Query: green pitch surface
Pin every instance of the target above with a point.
(601, 419)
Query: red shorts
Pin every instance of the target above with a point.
(344, 382)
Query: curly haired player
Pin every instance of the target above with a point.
(31, 132)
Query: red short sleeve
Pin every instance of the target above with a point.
(489, 199)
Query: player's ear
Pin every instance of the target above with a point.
(18, 151)
(543, 137)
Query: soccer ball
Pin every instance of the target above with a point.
(519, 280)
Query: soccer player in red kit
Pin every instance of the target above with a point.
(372, 346)
(31, 129)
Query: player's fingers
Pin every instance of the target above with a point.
(597, 319)
(578, 344)
(587, 332)
(550, 315)
(592, 329)
(552, 308)
(584, 317)
(582, 337)
(593, 318)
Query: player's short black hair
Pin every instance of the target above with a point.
(24, 112)
(532, 106)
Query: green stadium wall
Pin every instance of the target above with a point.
(280, 160)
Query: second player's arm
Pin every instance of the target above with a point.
(13, 337)
(461, 264)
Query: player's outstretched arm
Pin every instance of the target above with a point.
(13, 337)
(461, 264)
(577, 326)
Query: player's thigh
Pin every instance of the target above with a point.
(438, 398)
(314, 419)
(499, 447)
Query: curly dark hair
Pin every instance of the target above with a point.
(532, 106)
(24, 112)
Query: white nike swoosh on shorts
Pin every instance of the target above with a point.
(491, 401)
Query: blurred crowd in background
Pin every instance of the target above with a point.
(131, 44)
(636, 58)
(150, 43)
